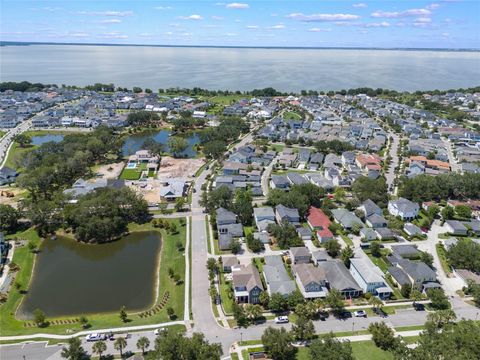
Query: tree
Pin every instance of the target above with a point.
(334, 300)
(242, 206)
(212, 264)
(74, 349)
(465, 254)
(448, 213)
(99, 348)
(235, 246)
(9, 217)
(375, 302)
(264, 298)
(253, 244)
(426, 258)
(415, 295)
(179, 204)
(365, 188)
(142, 344)
(375, 248)
(285, 235)
(382, 335)
(170, 312)
(214, 149)
(328, 347)
(463, 211)
(123, 314)
(239, 314)
(277, 344)
(303, 329)
(277, 303)
(333, 247)
(154, 147)
(253, 312)
(120, 344)
(39, 318)
(84, 321)
(295, 298)
(173, 345)
(441, 317)
(23, 140)
(346, 254)
(177, 145)
(438, 299)
(220, 197)
(406, 290)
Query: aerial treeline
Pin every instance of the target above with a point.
(333, 146)
(465, 254)
(103, 215)
(300, 197)
(23, 86)
(142, 118)
(52, 166)
(214, 140)
(442, 187)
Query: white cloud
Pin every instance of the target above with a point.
(237, 6)
(214, 17)
(380, 24)
(432, 6)
(360, 5)
(163, 8)
(277, 27)
(424, 20)
(399, 14)
(110, 21)
(252, 26)
(191, 17)
(315, 29)
(106, 13)
(113, 35)
(169, 33)
(323, 17)
(220, 3)
(446, 34)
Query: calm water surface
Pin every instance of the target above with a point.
(42, 139)
(240, 69)
(134, 142)
(72, 278)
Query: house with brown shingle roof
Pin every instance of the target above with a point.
(247, 284)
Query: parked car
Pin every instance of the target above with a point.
(281, 319)
(360, 313)
(419, 307)
(95, 337)
(380, 312)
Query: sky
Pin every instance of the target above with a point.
(314, 23)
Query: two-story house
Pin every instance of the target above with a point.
(311, 280)
(283, 213)
(369, 277)
(406, 209)
(247, 284)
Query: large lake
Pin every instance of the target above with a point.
(240, 68)
(72, 278)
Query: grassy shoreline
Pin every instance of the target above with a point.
(170, 257)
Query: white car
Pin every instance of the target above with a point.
(95, 337)
(158, 331)
(281, 319)
(360, 313)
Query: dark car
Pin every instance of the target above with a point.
(345, 315)
(419, 307)
(380, 312)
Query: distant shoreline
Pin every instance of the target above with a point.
(18, 43)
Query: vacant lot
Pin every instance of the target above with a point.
(183, 168)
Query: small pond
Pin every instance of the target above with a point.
(134, 143)
(42, 139)
(72, 278)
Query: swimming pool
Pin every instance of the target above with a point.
(131, 165)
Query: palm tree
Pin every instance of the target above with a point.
(99, 348)
(375, 302)
(319, 305)
(142, 344)
(120, 344)
(415, 295)
(253, 311)
(74, 351)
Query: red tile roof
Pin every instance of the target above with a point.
(317, 218)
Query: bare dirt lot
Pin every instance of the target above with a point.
(111, 171)
(179, 168)
(10, 195)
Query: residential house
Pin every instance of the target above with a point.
(311, 280)
(384, 233)
(263, 216)
(247, 284)
(173, 189)
(455, 227)
(304, 233)
(346, 218)
(369, 277)
(338, 277)
(368, 207)
(227, 228)
(317, 220)
(283, 213)
(368, 234)
(276, 276)
(300, 255)
(228, 262)
(320, 255)
(417, 273)
(279, 182)
(405, 209)
(412, 229)
(376, 221)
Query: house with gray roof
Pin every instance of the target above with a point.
(406, 251)
(368, 207)
(228, 262)
(384, 233)
(247, 284)
(227, 228)
(300, 255)
(412, 229)
(346, 218)
(455, 227)
(405, 209)
(418, 273)
(174, 189)
(369, 277)
(283, 213)
(320, 255)
(276, 276)
(311, 280)
(7, 175)
(368, 234)
(279, 182)
(376, 221)
(338, 277)
(263, 216)
(296, 178)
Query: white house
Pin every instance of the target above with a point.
(404, 208)
(369, 277)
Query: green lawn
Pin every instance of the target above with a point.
(366, 350)
(291, 115)
(133, 174)
(16, 153)
(442, 255)
(227, 302)
(170, 257)
(227, 99)
(347, 240)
